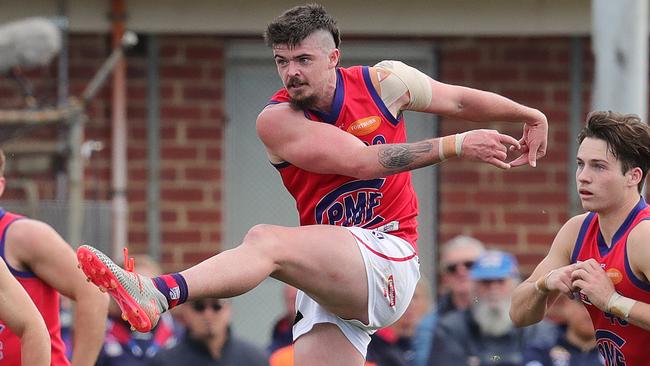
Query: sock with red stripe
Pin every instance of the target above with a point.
(173, 286)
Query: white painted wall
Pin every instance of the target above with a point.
(380, 17)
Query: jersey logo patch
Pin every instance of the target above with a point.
(364, 126)
(352, 204)
(609, 345)
(614, 275)
(389, 291)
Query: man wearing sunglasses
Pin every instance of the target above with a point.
(483, 334)
(209, 339)
(456, 259)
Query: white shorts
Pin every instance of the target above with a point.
(392, 270)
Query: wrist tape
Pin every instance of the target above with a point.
(620, 305)
(540, 284)
(451, 146)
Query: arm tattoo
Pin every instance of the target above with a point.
(400, 156)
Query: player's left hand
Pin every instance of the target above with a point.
(533, 142)
(593, 282)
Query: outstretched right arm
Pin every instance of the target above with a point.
(322, 148)
(419, 92)
(551, 278)
(23, 318)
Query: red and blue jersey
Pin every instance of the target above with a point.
(126, 347)
(387, 204)
(44, 297)
(620, 342)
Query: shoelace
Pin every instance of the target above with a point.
(129, 266)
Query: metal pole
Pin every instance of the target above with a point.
(75, 178)
(153, 139)
(63, 82)
(575, 121)
(620, 42)
(118, 134)
(75, 136)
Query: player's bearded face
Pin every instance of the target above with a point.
(301, 95)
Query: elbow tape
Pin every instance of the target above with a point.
(417, 83)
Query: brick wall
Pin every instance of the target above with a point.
(518, 210)
(191, 82)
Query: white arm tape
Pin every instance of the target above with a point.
(543, 286)
(459, 142)
(417, 83)
(451, 146)
(620, 305)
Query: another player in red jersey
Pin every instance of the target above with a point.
(602, 255)
(20, 316)
(337, 137)
(41, 262)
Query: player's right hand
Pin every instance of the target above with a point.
(488, 146)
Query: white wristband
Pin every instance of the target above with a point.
(540, 290)
(620, 305)
(544, 286)
(459, 142)
(450, 146)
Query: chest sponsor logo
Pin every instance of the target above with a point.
(614, 275)
(352, 204)
(364, 126)
(609, 346)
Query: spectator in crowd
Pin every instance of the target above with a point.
(483, 334)
(456, 259)
(575, 344)
(126, 347)
(282, 335)
(393, 346)
(209, 340)
(66, 313)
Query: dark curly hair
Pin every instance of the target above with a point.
(627, 137)
(297, 23)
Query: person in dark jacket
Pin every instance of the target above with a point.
(575, 345)
(483, 334)
(126, 347)
(282, 334)
(209, 340)
(456, 259)
(394, 346)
